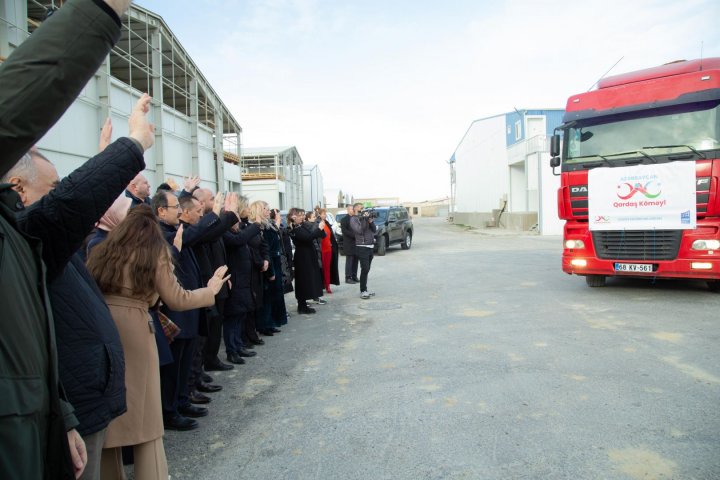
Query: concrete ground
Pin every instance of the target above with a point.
(477, 359)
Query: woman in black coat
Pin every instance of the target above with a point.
(273, 313)
(308, 267)
(240, 306)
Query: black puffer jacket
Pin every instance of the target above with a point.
(89, 349)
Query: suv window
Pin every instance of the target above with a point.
(402, 214)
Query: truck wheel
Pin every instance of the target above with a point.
(595, 280)
(381, 246)
(407, 243)
(713, 285)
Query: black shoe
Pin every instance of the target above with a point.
(266, 332)
(180, 423)
(350, 281)
(248, 346)
(199, 398)
(208, 388)
(192, 411)
(206, 378)
(355, 279)
(246, 353)
(217, 367)
(275, 330)
(306, 310)
(258, 341)
(235, 358)
(320, 301)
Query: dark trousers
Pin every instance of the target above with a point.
(232, 333)
(351, 266)
(249, 331)
(215, 328)
(365, 256)
(174, 376)
(196, 370)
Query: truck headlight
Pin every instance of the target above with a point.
(706, 245)
(574, 244)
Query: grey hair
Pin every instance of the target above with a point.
(25, 168)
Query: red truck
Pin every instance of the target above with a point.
(661, 117)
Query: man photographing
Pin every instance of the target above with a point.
(364, 228)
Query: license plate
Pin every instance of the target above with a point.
(634, 267)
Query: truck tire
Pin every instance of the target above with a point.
(407, 243)
(595, 280)
(381, 246)
(713, 285)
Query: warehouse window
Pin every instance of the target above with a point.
(518, 130)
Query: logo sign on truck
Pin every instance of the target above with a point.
(643, 197)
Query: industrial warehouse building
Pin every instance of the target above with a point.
(196, 133)
(273, 175)
(500, 173)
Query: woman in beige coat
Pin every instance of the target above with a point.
(133, 267)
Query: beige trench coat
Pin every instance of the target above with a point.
(143, 420)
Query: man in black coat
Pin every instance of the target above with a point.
(90, 354)
(174, 377)
(348, 237)
(211, 255)
(40, 80)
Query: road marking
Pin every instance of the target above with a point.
(696, 372)
(668, 336)
(472, 312)
(641, 463)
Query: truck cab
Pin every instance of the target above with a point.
(638, 122)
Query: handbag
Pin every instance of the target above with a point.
(170, 329)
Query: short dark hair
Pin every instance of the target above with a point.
(164, 187)
(358, 204)
(160, 200)
(188, 202)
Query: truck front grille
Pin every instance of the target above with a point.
(637, 245)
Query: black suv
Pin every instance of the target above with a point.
(394, 226)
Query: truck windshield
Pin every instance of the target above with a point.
(668, 131)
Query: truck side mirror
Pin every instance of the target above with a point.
(554, 163)
(555, 147)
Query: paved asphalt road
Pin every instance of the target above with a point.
(477, 359)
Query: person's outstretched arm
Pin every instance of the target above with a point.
(46, 73)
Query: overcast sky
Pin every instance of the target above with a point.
(379, 93)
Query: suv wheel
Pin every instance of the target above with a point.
(407, 243)
(381, 246)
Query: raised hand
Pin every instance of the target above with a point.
(120, 6)
(106, 134)
(216, 281)
(177, 241)
(140, 129)
(219, 202)
(191, 183)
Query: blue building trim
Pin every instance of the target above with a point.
(515, 123)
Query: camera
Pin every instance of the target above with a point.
(368, 213)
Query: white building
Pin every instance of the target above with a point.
(273, 175)
(195, 130)
(500, 174)
(313, 191)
